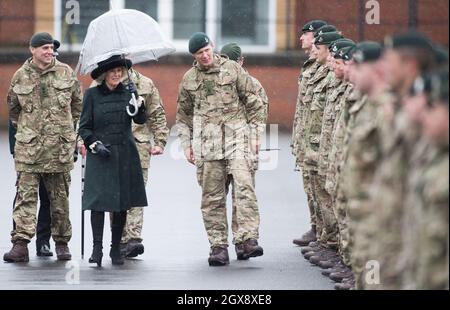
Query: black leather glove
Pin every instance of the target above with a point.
(102, 150)
(132, 89)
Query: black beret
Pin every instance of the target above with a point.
(110, 63)
(327, 38)
(198, 41)
(324, 29)
(411, 39)
(313, 25)
(339, 44)
(367, 52)
(42, 38)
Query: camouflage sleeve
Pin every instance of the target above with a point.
(256, 108)
(87, 121)
(77, 101)
(13, 106)
(156, 120)
(184, 118)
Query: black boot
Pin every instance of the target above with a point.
(97, 223)
(118, 223)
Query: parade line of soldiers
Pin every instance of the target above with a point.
(370, 138)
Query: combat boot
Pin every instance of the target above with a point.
(62, 251)
(324, 256)
(18, 253)
(240, 251)
(339, 267)
(309, 248)
(340, 276)
(252, 249)
(218, 256)
(347, 284)
(134, 248)
(330, 263)
(308, 237)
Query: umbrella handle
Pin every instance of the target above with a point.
(133, 104)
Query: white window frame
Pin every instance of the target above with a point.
(165, 17)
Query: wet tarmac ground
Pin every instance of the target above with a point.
(176, 246)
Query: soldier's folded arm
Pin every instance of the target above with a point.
(184, 118)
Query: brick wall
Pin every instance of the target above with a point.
(428, 16)
(279, 82)
(16, 22)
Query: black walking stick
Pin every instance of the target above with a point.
(83, 167)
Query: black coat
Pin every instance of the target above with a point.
(116, 183)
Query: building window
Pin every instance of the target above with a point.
(149, 7)
(244, 21)
(188, 17)
(250, 23)
(74, 34)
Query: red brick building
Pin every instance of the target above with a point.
(266, 29)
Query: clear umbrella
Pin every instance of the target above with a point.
(130, 33)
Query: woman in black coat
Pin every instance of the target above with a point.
(113, 177)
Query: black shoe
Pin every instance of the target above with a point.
(116, 258)
(43, 250)
(134, 248)
(96, 257)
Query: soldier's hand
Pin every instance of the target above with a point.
(156, 150)
(82, 150)
(189, 153)
(255, 147)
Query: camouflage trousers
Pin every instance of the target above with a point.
(310, 198)
(361, 238)
(329, 230)
(215, 177)
(135, 220)
(25, 208)
(340, 211)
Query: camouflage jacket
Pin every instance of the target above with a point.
(321, 81)
(330, 113)
(302, 112)
(219, 111)
(347, 100)
(45, 107)
(304, 76)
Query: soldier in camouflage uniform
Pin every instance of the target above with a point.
(220, 118)
(406, 57)
(234, 52)
(155, 129)
(336, 90)
(423, 260)
(363, 152)
(45, 103)
(309, 68)
(432, 266)
(322, 80)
